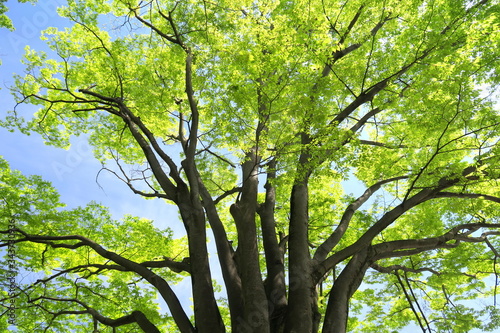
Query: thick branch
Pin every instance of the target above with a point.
(244, 215)
(468, 196)
(193, 105)
(335, 237)
(157, 281)
(225, 254)
(391, 216)
(300, 298)
(275, 280)
(452, 238)
(136, 316)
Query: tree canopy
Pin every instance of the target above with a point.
(259, 121)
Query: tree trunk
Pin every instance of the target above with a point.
(225, 254)
(275, 285)
(301, 295)
(256, 316)
(301, 288)
(206, 312)
(337, 310)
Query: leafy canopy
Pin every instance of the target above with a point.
(316, 100)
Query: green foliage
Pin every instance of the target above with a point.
(5, 21)
(397, 98)
(69, 274)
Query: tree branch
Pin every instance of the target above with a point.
(368, 94)
(460, 233)
(392, 215)
(410, 301)
(393, 268)
(170, 38)
(467, 196)
(227, 193)
(338, 54)
(381, 144)
(136, 316)
(157, 281)
(225, 254)
(335, 237)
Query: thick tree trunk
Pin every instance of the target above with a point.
(256, 315)
(302, 291)
(275, 281)
(206, 312)
(225, 253)
(337, 311)
(301, 288)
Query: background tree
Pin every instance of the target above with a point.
(252, 117)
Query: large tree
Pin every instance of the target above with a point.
(259, 120)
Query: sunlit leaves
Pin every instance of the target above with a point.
(66, 275)
(398, 96)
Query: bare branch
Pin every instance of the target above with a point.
(225, 160)
(227, 193)
(128, 182)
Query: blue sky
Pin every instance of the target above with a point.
(72, 172)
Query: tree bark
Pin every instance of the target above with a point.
(301, 286)
(225, 254)
(337, 310)
(256, 315)
(275, 281)
(206, 313)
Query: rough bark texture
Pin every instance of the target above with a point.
(275, 281)
(256, 316)
(337, 311)
(301, 287)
